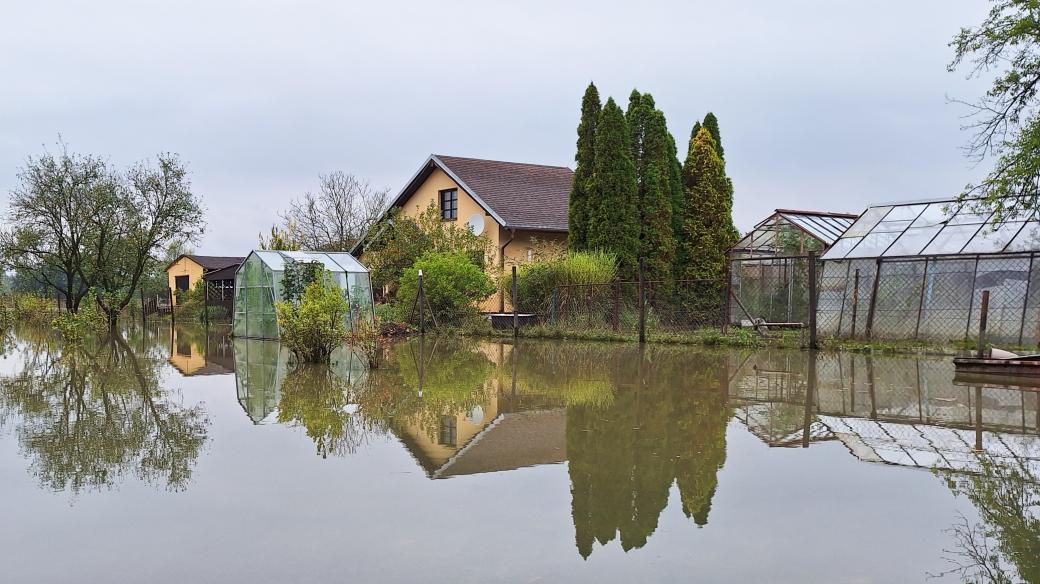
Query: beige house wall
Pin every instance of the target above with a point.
(517, 250)
(183, 267)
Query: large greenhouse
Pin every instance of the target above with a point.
(258, 288)
(918, 270)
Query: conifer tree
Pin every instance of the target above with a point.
(707, 219)
(613, 221)
(654, 169)
(711, 123)
(657, 240)
(578, 210)
(696, 128)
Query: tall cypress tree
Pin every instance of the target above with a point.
(578, 208)
(657, 238)
(696, 128)
(711, 123)
(649, 140)
(613, 224)
(707, 218)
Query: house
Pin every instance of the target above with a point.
(188, 269)
(514, 204)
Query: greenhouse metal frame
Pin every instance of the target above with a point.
(258, 289)
(918, 271)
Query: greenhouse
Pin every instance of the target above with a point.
(259, 280)
(769, 265)
(918, 271)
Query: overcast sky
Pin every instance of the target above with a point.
(823, 105)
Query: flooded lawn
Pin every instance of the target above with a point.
(185, 456)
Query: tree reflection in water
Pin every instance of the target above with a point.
(666, 424)
(317, 398)
(1004, 545)
(88, 416)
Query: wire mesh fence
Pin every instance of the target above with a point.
(934, 298)
(676, 306)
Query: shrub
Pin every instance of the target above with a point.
(314, 326)
(398, 242)
(75, 327)
(452, 284)
(536, 281)
(34, 310)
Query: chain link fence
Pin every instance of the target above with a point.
(679, 306)
(933, 298)
(930, 298)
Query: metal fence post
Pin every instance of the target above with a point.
(855, 301)
(642, 305)
(173, 312)
(727, 291)
(814, 299)
(983, 317)
(920, 302)
(873, 299)
(422, 307)
(614, 315)
(514, 299)
(553, 304)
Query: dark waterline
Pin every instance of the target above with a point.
(173, 456)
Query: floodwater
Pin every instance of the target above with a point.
(185, 456)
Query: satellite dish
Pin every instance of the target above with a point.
(476, 223)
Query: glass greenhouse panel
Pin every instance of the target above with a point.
(912, 241)
(933, 215)
(951, 239)
(1028, 239)
(873, 245)
(990, 240)
(841, 247)
(867, 221)
(259, 289)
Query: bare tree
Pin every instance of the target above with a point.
(337, 216)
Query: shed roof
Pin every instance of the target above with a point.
(227, 273)
(933, 228)
(210, 262)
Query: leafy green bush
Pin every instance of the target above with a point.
(76, 327)
(452, 284)
(396, 243)
(536, 281)
(33, 310)
(314, 326)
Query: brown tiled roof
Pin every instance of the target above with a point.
(527, 196)
(227, 273)
(216, 262)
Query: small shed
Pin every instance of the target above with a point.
(258, 288)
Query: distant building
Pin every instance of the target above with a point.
(513, 203)
(188, 269)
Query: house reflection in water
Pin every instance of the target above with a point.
(201, 351)
(473, 418)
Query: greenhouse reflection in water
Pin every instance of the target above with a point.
(651, 442)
